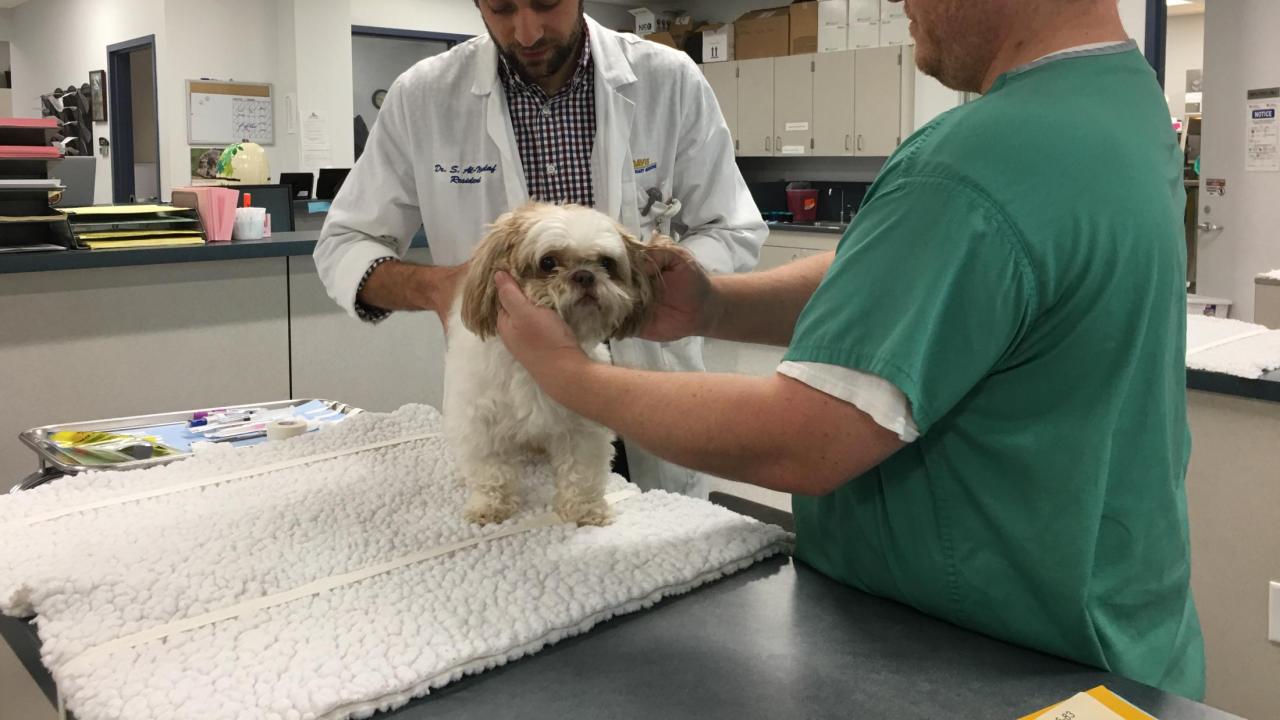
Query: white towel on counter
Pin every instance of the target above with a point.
(1272, 275)
(200, 536)
(1231, 347)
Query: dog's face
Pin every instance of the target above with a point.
(569, 258)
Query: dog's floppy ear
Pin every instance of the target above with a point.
(479, 293)
(642, 283)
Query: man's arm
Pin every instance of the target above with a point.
(397, 285)
(374, 217)
(763, 307)
(752, 307)
(774, 432)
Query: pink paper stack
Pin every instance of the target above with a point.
(217, 208)
(30, 152)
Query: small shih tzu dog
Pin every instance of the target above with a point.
(588, 269)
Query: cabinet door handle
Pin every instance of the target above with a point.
(846, 143)
(859, 143)
(768, 144)
(777, 143)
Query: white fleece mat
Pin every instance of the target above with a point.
(1231, 347)
(208, 538)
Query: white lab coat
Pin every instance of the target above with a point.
(443, 155)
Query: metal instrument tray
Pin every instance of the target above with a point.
(53, 459)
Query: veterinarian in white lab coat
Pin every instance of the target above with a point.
(444, 154)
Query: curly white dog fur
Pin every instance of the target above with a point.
(590, 271)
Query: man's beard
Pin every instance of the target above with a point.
(560, 55)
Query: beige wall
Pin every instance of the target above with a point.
(1233, 491)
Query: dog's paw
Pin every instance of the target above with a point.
(487, 510)
(594, 513)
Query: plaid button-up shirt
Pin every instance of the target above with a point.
(555, 134)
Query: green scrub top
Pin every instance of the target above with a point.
(1018, 271)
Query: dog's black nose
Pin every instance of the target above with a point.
(584, 278)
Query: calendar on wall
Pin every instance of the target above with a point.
(220, 113)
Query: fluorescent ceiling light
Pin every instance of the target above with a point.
(1172, 3)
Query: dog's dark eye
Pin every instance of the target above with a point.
(547, 264)
(610, 265)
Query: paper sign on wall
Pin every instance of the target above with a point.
(1262, 152)
(316, 151)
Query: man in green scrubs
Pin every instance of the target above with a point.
(982, 412)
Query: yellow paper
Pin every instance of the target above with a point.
(1098, 700)
(136, 234)
(146, 242)
(120, 209)
(30, 218)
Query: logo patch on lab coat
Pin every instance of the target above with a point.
(644, 165)
(466, 174)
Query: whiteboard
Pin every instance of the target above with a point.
(221, 113)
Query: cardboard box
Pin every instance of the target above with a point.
(683, 26)
(664, 38)
(675, 35)
(892, 10)
(864, 35)
(649, 22)
(833, 25)
(717, 42)
(896, 32)
(833, 38)
(864, 11)
(833, 13)
(763, 34)
(804, 28)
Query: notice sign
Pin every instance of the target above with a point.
(1262, 151)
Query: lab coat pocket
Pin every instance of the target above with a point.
(655, 205)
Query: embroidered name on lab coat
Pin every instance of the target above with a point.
(468, 175)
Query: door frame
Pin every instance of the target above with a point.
(1157, 36)
(373, 31)
(120, 106)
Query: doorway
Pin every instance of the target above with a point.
(134, 121)
(378, 57)
(6, 82)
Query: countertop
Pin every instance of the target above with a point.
(280, 244)
(1266, 387)
(809, 228)
(778, 640)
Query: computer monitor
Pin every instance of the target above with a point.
(330, 182)
(277, 199)
(300, 182)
